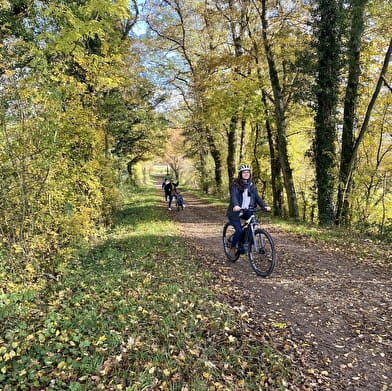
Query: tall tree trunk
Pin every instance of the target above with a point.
(217, 157)
(354, 50)
(231, 149)
(280, 120)
(237, 27)
(276, 183)
(256, 172)
(242, 140)
(325, 121)
(274, 163)
(203, 171)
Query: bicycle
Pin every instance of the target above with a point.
(256, 242)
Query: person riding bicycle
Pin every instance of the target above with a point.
(243, 198)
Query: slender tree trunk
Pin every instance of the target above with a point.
(203, 171)
(274, 164)
(237, 28)
(280, 120)
(354, 50)
(242, 140)
(276, 183)
(325, 121)
(384, 209)
(217, 157)
(231, 149)
(256, 172)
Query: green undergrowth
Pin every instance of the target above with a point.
(133, 313)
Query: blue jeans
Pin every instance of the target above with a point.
(236, 222)
(170, 199)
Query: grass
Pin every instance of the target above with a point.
(133, 313)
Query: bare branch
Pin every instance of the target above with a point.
(386, 83)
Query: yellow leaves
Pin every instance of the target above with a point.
(100, 340)
(147, 281)
(9, 356)
(194, 352)
(166, 372)
(18, 249)
(279, 325)
(61, 365)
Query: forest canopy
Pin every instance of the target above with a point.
(299, 90)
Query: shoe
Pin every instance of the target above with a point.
(232, 252)
(168, 208)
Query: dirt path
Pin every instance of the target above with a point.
(322, 308)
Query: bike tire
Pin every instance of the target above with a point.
(228, 232)
(264, 261)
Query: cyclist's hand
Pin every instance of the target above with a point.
(267, 209)
(236, 208)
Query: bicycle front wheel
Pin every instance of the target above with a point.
(228, 232)
(262, 254)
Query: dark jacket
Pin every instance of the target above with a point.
(170, 188)
(236, 198)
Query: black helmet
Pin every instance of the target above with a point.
(244, 167)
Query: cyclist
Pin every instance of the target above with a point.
(243, 198)
(170, 191)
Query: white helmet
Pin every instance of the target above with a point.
(244, 167)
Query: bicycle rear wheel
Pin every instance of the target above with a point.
(262, 256)
(228, 232)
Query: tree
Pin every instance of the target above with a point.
(350, 102)
(279, 109)
(328, 55)
(58, 61)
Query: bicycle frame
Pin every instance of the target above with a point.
(251, 223)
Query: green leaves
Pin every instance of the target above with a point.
(57, 173)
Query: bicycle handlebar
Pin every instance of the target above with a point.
(253, 210)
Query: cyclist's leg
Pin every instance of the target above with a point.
(170, 201)
(246, 232)
(236, 223)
